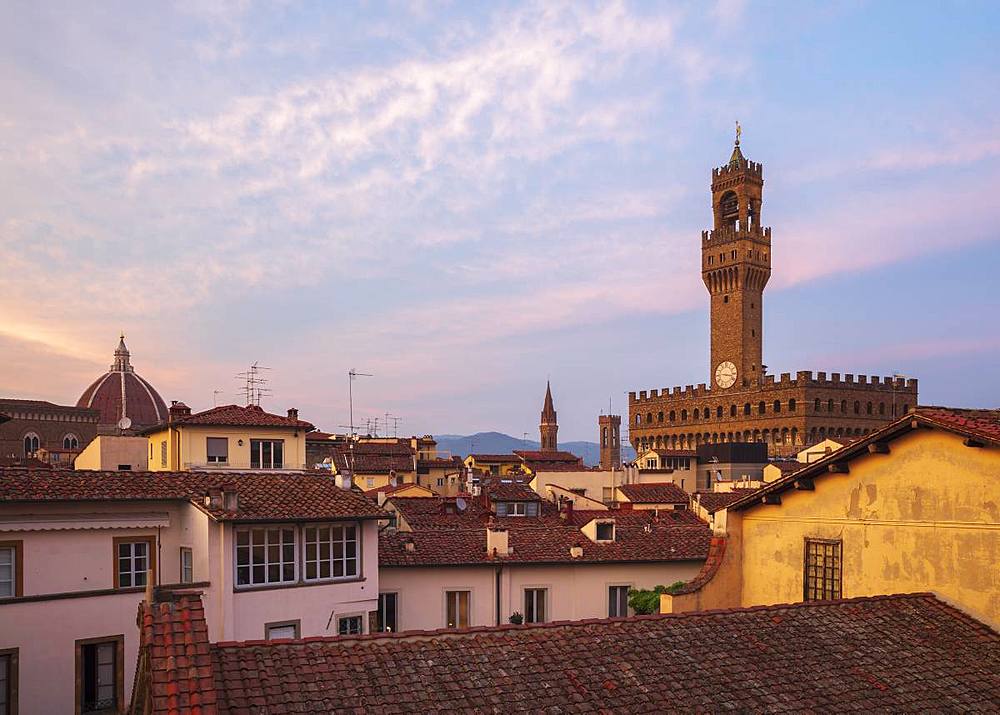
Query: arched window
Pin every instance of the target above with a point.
(649, 418)
(816, 405)
(761, 407)
(791, 405)
(71, 441)
(732, 410)
(905, 408)
(777, 406)
(31, 444)
(795, 435)
(857, 407)
(659, 417)
(881, 408)
(673, 415)
(638, 419)
(843, 405)
(746, 408)
(684, 415)
(694, 413)
(868, 408)
(829, 405)
(706, 413)
(718, 412)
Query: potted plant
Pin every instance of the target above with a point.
(516, 618)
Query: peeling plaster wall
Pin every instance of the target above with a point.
(925, 517)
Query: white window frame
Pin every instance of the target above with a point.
(134, 572)
(187, 569)
(210, 459)
(597, 528)
(282, 561)
(381, 609)
(12, 563)
(544, 591)
(270, 628)
(607, 593)
(260, 456)
(331, 543)
(457, 589)
(350, 616)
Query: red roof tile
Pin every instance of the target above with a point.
(180, 676)
(637, 539)
(262, 496)
(976, 425)
(875, 654)
(655, 493)
(716, 501)
(237, 416)
(510, 491)
(540, 456)
(496, 458)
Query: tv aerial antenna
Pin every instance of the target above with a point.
(254, 384)
(352, 375)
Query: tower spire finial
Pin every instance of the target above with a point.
(739, 130)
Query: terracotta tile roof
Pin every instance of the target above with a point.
(900, 653)
(655, 493)
(496, 458)
(317, 436)
(440, 463)
(716, 501)
(237, 416)
(982, 426)
(510, 491)
(375, 458)
(181, 673)
(676, 452)
(542, 457)
(261, 496)
(787, 466)
(637, 539)
(26, 462)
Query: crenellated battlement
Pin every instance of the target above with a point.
(738, 232)
(802, 379)
(739, 168)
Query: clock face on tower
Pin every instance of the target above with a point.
(725, 374)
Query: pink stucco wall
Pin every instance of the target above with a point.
(575, 591)
(77, 557)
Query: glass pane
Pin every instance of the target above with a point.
(311, 570)
(289, 552)
(6, 556)
(258, 536)
(324, 569)
(274, 573)
(125, 579)
(352, 567)
(258, 574)
(310, 552)
(243, 575)
(265, 458)
(124, 551)
(278, 457)
(242, 538)
(288, 572)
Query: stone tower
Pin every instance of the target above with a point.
(548, 427)
(736, 265)
(610, 427)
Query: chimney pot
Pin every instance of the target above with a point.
(293, 413)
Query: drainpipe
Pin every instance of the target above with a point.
(499, 570)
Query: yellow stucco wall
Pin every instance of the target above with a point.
(925, 517)
(187, 447)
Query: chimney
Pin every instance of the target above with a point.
(213, 499)
(344, 480)
(293, 413)
(576, 552)
(566, 509)
(230, 498)
(408, 544)
(177, 410)
(497, 542)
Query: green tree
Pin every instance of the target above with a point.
(644, 602)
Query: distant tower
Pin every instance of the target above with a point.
(736, 265)
(548, 427)
(610, 427)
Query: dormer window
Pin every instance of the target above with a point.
(517, 508)
(605, 531)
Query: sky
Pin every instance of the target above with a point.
(465, 199)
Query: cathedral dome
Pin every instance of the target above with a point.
(121, 392)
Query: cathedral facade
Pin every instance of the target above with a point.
(741, 402)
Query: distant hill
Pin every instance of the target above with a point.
(500, 443)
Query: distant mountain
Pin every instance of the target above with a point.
(500, 443)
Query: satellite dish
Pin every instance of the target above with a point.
(124, 423)
(460, 503)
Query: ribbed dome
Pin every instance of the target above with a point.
(120, 392)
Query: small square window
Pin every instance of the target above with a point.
(606, 531)
(822, 578)
(288, 629)
(349, 626)
(187, 565)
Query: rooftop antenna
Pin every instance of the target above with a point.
(395, 425)
(351, 375)
(215, 397)
(254, 384)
